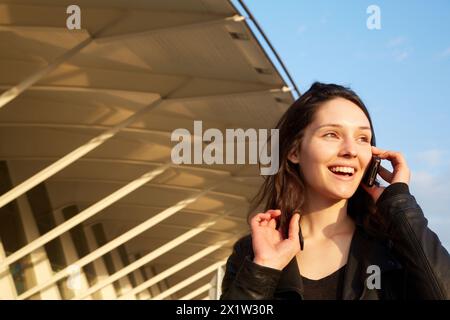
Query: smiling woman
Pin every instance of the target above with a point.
(324, 231)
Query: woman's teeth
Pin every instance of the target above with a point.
(346, 170)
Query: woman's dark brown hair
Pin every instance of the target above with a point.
(285, 189)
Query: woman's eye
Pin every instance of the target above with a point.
(333, 135)
(330, 134)
(365, 139)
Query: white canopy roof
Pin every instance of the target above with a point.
(197, 59)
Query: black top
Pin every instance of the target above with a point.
(328, 288)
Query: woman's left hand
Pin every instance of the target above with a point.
(401, 172)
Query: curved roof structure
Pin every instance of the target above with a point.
(86, 118)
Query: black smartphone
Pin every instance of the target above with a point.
(371, 173)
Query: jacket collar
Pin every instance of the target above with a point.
(364, 251)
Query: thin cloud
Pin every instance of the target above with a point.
(324, 19)
(432, 157)
(301, 29)
(396, 42)
(401, 55)
(432, 192)
(445, 53)
(399, 48)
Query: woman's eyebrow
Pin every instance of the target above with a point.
(340, 126)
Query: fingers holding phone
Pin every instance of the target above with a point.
(401, 172)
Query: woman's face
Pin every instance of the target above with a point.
(336, 142)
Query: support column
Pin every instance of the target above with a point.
(7, 286)
(154, 289)
(107, 292)
(167, 292)
(196, 292)
(78, 282)
(139, 275)
(41, 265)
(125, 284)
(219, 277)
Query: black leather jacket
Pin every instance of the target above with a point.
(415, 266)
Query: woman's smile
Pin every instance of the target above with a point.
(342, 176)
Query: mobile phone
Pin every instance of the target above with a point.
(372, 171)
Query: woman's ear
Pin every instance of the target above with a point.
(293, 155)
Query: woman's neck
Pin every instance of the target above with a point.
(325, 218)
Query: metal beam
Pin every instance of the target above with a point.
(15, 91)
(162, 224)
(160, 186)
(153, 208)
(151, 256)
(89, 146)
(201, 97)
(101, 271)
(82, 216)
(119, 241)
(81, 126)
(131, 35)
(8, 289)
(189, 280)
(196, 292)
(72, 156)
(218, 283)
(168, 272)
(81, 89)
(34, 28)
(140, 162)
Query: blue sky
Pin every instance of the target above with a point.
(402, 72)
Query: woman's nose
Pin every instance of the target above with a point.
(348, 149)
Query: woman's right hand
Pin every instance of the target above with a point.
(269, 247)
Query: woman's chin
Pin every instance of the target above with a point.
(345, 193)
